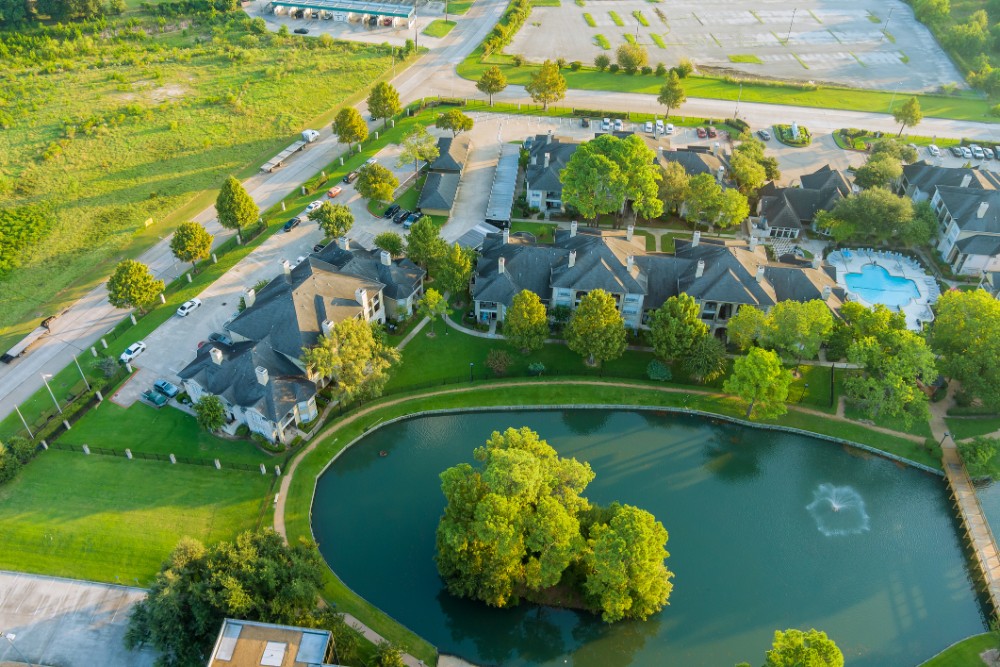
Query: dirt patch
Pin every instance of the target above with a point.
(991, 657)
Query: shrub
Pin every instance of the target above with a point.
(107, 366)
(575, 65)
(661, 69)
(978, 455)
(995, 110)
(561, 63)
(647, 70)
(684, 68)
(590, 20)
(536, 368)
(602, 61)
(613, 68)
(657, 370)
(498, 361)
(517, 60)
(738, 123)
(242, 431)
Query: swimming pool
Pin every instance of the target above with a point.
(875, 285)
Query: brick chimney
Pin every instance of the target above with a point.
(286, 267)
(695, 239)
(572, 229)
(546, 158)
(752, 243)
(249, 297)
(760, 273)
(344, 243)
(827, 290)
(501, 265)
(572, 259)
(817, 261)
(261, 374)
(216, 354)
(506, 236)
(699, 269)
(966, 180)
(629, 232)
(385, 258)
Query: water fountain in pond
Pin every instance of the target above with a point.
(838, 511)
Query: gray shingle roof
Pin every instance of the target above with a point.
(980, 244)
(401, 277)
(695, 160)
(795, 208)
(826, 177)
(926, 177)
(964, 204)
(439, 191)
(453, 153)
(559, 149)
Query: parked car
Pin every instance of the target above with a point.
(334, 191)
(188, 306)
(764, 135)
(220, 338)
(370, 161)
(301, 31)
(934, 150)
(351, 177)
(619, 125)
(168, 389)
(606, 125)
(391, 211)
(670, 129)
(659, 126)
(956, 151)
(400, 216)
(712, 133)
(966, 152)
(318, 247)
(292, 224)
(132, 351)
(411, 219)
(702, 133)
(977, 151)
(585, 122)
(649, 126)
(314, 205)
(157, 399)
(988, 152)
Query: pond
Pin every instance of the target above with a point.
(767, 531)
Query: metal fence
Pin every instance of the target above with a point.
(146, 456)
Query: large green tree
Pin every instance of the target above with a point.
(748, 173)
(355, 357)
(383, 101)
(455, 269)
(733, 209)
(967, 334)
(671, 93)
(391, 242)
(704, 200)
(761, 382)
(418, 146)
(676, 326)
(526, 324)
(880, 170)
(256, 577)
(349, 126)
(432, 306)
(894, 363)
(376, 183)
(797, 329)
(133, 286)
(795, 648)
(210, 413)
(491, 82)
(674, 186)
(334, 219)
(547, 85)
(191, 242)
(596, 329)
(706, 360)
(424, 244)
(632, 57)
(753, 148)
(236, 209)
(455, 121)
(875, 213)
(748, 327)
(908, 115)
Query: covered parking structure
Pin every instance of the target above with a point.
(370, 13)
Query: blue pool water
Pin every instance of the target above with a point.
(875, 285)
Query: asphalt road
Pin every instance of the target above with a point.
(434, 74)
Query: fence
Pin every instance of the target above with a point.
(146, 456)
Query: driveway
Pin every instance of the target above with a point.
(66, 622)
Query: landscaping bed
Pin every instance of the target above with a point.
(784, 134)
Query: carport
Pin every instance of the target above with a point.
(348, 10)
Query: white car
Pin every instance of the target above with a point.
(313, 206)
(649, 126)
(188, 306)
(670, 128)
(619, 125)
(606, 124)
(977, 151)
(659, 126)
(132, 351)
(988, 152)
(934, 150)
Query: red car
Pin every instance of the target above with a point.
(712, 133)
(702, 133)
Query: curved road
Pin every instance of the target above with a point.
(82, 325)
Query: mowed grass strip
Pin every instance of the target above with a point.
(439, 28)
(658, 40)
(640, 18)
(617, 19)
(101, 517)
(745, 58)
(602, 42)
(459, 6)
(590, 20)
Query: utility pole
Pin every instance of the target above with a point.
(886, 26)
(790, 23)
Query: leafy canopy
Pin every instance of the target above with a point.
(676, 326)
(210, 413)
(191, 242)
(133, 286)
(383, 101)
(596, 329)
(455, 121)
(491, 82)
(391, 242)
(334, 219)
(236, 209)
(760, 381)
(526, 324)
(966, 334)
(418, 145)
(376, 182)
(355, 356)
(672, 92)
(547, 85)
(424, 244)
(349, 126)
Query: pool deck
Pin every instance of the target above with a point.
(917, 310)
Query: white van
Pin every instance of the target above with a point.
(659, 126)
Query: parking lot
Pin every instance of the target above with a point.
(835, 41)
(67, 623)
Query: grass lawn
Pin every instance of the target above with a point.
(650, 240)
(970, 428)
(439, 28)
(459, 6)
(143, 428)
(544, 232)
(152, 128)
(102, 517)
(965, 653)
(746, 58)
(966, 106)
(923, 429)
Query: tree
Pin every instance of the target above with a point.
(376, 183)
(210, 413)
(747, 327)
(753, 148)
(256, 577)
(965, 333)
(894, 147)
(908, 115)
(433, 306)
(492, 82)
(625, 571)
(418, 145)
(672, 93)
(637, 163)
(875, 213)
(760, 381)
(733, 209)
(455, 269)
(498, 361)
(424, 244)
(388, 654)
(794, 648)
(334, 219)
(454, 120)
(706, 360)
(353, 357)
(350, 127)
(235, 208)
(632, 57)
(547, 85)
(674, 185)
(526, 324)
(191, 242)
(596, 330)
(879, 171)
(977, 455)
(894, 363)
(602, 61)
(676, 326)
(133, 286)
(798, 329)
(383, 102)
(391, 242)
(749, 174)
(704, 200)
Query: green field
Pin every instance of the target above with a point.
(971, 427)
(439, 28)
(459, 6)
(152, 126)
(102, 518)
(965, 653)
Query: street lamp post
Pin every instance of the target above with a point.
(85, 381)
(24, 421)
(736, 112)
(45, 379)
(941, 442)
(886, 26)
(471, 365)
(790, 23)
(10, 638)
